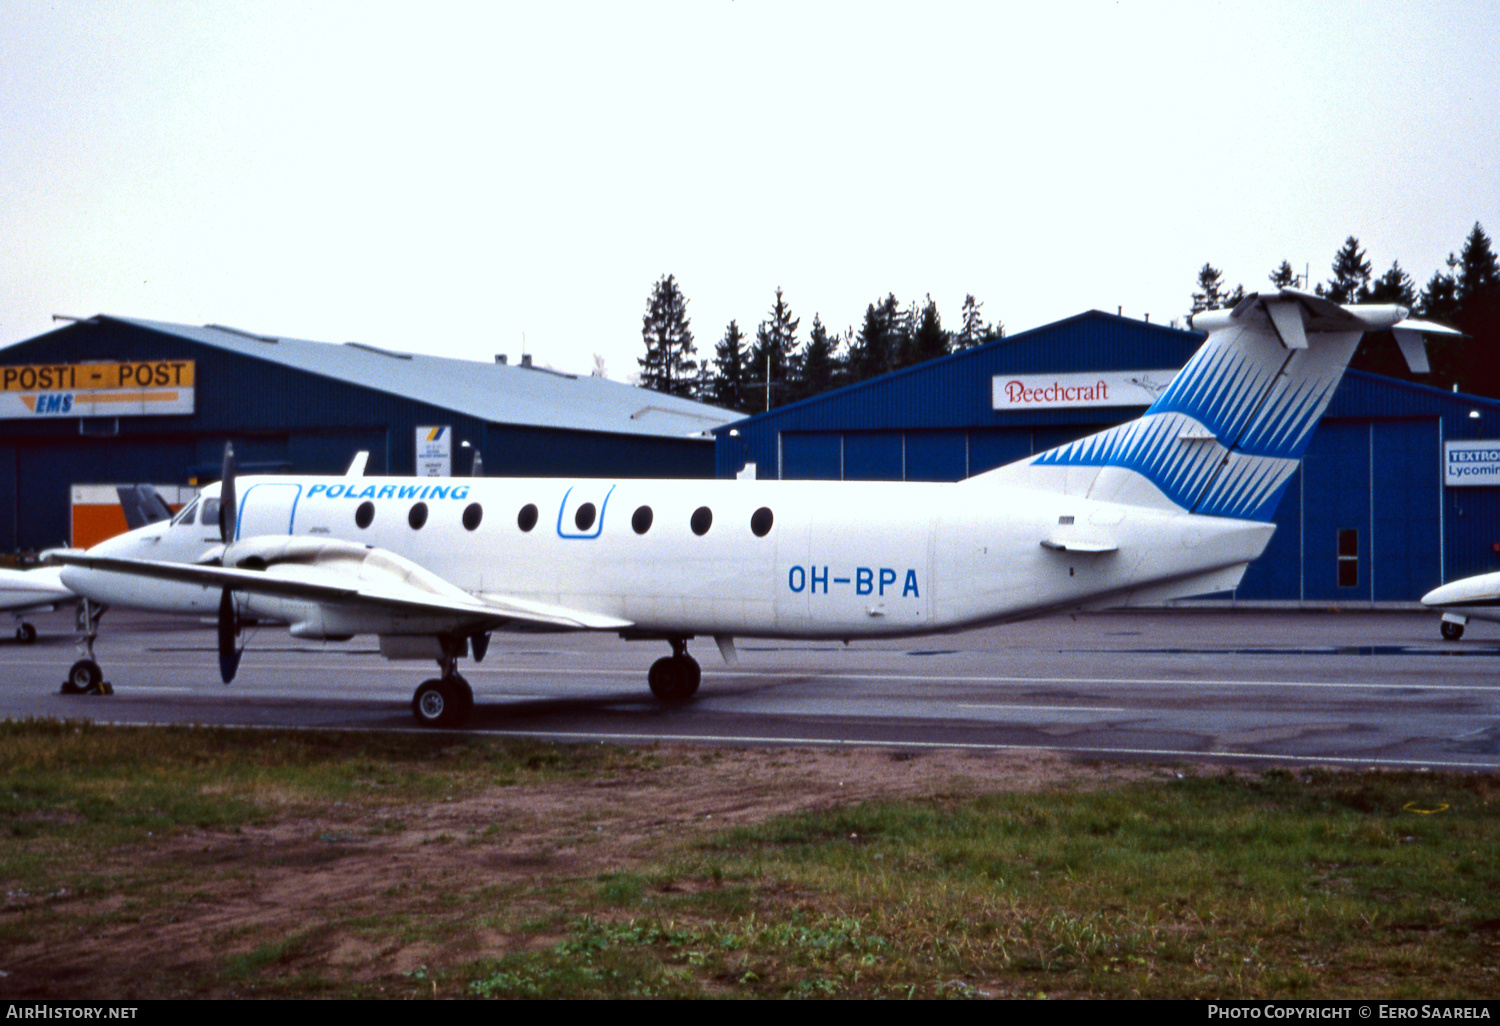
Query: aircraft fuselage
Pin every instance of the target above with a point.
(712, 557)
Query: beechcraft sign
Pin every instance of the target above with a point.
(143, 388)
(1013, 392)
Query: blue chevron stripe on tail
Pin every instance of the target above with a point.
(1227, 434)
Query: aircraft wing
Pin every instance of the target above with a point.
(25, 591)
(391, 594)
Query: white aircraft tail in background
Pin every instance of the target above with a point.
(1174, 504)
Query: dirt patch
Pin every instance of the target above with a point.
(326, 894)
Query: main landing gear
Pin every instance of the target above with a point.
(25, 632)
(85, 677)
(448, 700)
(675, 678)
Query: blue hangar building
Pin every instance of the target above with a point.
(111, 400)
(1374, 516)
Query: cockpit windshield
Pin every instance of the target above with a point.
(189, 512)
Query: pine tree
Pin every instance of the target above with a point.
(727, 387)
(1477, 291)
(974, 331)
(1439, 298)
(668, 365)
(1284, 277)
(818, 363)
(881, 341)
(1210, 292)
(775, 343)
(1478, 270)
(928, 339)
(1394, 286)
(1351, 275)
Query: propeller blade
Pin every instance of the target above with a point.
(229, 629)
(228, 506)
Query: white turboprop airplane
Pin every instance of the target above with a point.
(32, 591)
(41, 590)
(1472, 598)
(1174, 504)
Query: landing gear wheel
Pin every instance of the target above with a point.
(443, 702)
(1452, 631)
(85, 678)
(25, 633)
(465, 697)
(675, 679)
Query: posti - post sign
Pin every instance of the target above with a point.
(131, 388)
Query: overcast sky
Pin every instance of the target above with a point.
(451, 178)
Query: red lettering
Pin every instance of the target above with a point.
(1016, 392)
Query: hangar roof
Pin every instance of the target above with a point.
(954, 391)
(495, 392)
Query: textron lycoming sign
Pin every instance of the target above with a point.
(1471, 463)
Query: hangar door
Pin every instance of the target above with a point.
(1362, 519)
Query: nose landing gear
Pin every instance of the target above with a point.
(85, 677)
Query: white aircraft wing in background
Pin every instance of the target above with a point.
(32, 591)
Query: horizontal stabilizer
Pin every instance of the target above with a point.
(1411, 336)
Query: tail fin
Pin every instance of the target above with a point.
(142, 505)
(1226, 435)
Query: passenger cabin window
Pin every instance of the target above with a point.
(364, 515)
(703, 519)
(418, 516)
(526, 519)
(640, 522)
(584, 518)
(761, 521)
(473, 514)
